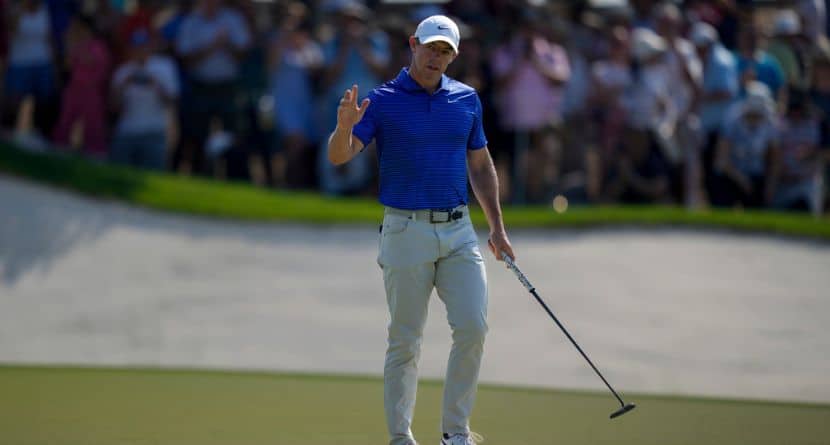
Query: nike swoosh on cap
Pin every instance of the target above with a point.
(443, 27)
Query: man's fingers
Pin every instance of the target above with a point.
(363, 106)
(354, 93)
(347, 96)
(509, 251)
(501, 247)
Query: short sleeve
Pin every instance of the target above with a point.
(366, 128)
(477, 139)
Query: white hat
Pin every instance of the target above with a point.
(703, 34)
(438, 28)
(787, 23)
(758, 99)
(645, 44)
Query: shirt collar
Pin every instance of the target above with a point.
(408, 83)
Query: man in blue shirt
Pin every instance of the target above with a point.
(429, 135)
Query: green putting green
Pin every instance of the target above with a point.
(86, 406)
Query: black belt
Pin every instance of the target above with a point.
(432, 215)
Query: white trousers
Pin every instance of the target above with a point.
(417, 256)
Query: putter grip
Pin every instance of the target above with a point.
(522, 278)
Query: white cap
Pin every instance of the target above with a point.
(787, 23)
(703, 34)
(646, 44)
(438, 28)
(758, 99)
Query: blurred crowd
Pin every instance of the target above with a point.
(686, 102)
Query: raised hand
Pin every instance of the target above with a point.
(348, 113)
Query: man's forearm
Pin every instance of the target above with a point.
(340, 149)
(485, 185)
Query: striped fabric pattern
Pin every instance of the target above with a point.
(422, 141)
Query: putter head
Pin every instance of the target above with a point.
(623, 410)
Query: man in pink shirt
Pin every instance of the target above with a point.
(530, 71)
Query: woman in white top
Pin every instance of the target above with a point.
(30, 70)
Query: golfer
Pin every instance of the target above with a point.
(429, 135)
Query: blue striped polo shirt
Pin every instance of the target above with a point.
(422, 141)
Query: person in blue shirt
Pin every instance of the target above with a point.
(357, 53)
(755, 63)
(429, 136)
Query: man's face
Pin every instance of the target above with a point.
(431, 60)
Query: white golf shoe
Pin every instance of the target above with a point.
(462, 439)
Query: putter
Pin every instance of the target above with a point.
(624, 407)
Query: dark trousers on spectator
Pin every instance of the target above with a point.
(709, 177)
(727, 193)
(146, 149)
(206, 103)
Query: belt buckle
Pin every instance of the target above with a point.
(445, 216)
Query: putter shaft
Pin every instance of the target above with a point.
(523, 279)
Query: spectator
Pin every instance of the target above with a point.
(643, 14)
(82, 120)
(169, 20)
(30, 69)
(685, 73)
(813, 14)
(255, 122)
(648, 103)
(212, 40)
(4, 45)
(798, 181)
(819, 95)
(582, 112)
(106, 19)
(472, 67)
(529, 72)
(144, 92)
(294, 61)
(723, 15)
(61, 13)
(718, 90)
(356, 54)
(746, 151)
(610, 78)
(756, 64)
(640, 175)
(819, 91)
(787, 48)
(140, 18)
